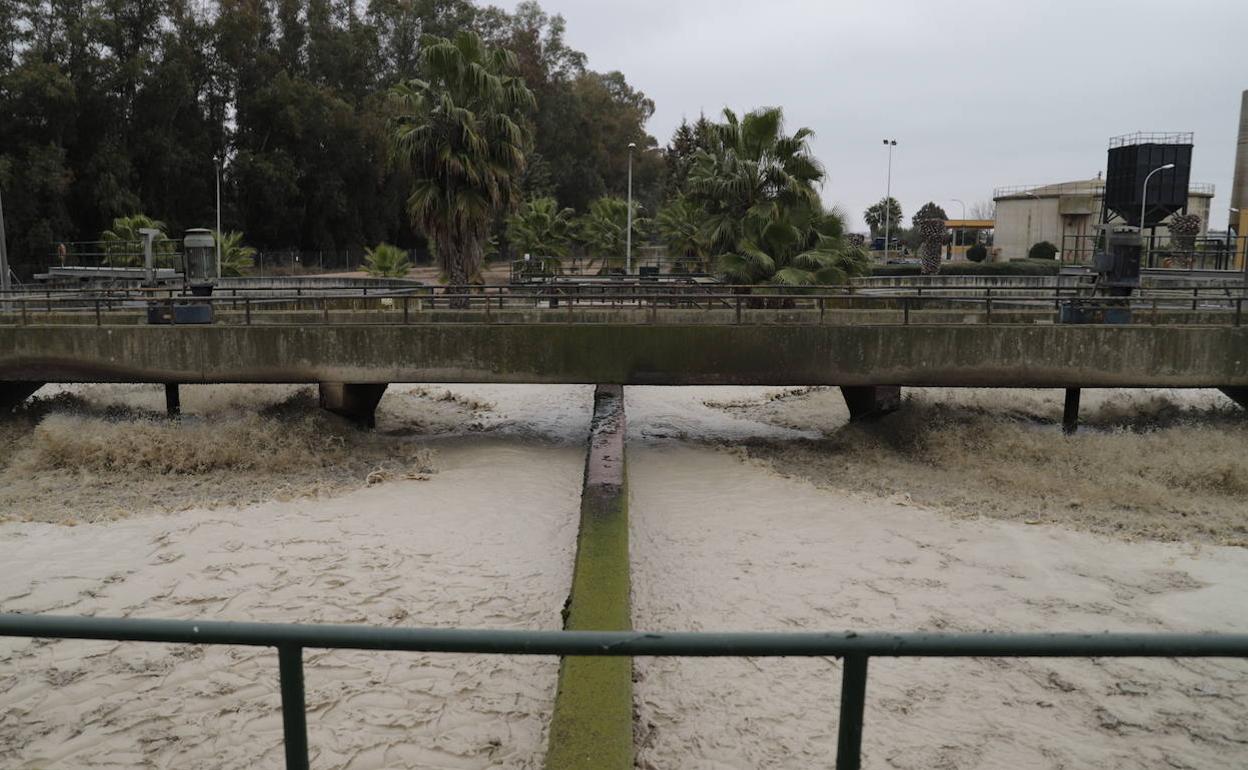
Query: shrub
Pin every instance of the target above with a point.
(1013, 267)
(977, 253)
(386, 261)
(1042, 250)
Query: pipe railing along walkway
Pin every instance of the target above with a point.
(693, 307)
(854, 648)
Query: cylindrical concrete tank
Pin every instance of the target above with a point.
(1239, 190)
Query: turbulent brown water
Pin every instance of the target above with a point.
(1168, 465)
(88, 454)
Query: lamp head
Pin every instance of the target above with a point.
(632, 145)
(1167, 166)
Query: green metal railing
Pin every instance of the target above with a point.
(717, 305)
(855, 649)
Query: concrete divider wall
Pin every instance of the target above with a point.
(592, 725)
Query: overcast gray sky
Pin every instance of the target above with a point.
(978, 93)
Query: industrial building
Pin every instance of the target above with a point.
(1066, 214)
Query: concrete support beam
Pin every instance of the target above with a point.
(1070, 412)
(355, 401)
(869, 402)
(592, 724)
(14, 393)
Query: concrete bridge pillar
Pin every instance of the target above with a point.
(1070, 411)
(868, 402)
(1238, 395)
(14, 393)
(357, 401)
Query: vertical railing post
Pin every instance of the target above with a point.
(294, 717)
(1239, 309)
(247, 309)
(738, 309)
(905, 311)
(98, 320)
(853, 700)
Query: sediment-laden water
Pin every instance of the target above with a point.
(753, 508)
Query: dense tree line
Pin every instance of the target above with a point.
(118, 107)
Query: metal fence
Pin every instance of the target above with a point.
(1167, 252)
(537, 269)
(1194, 304)
(854, 649)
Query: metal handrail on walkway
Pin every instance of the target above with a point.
(1222, 308)
(856, 649)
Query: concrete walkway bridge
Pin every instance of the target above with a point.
(871, 343)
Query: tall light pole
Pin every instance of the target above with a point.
(216, 161)
(955, 200)
(1144, 204)
(4, 253)
(888, 194)
(628, 233)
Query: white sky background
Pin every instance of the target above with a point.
(978, 93)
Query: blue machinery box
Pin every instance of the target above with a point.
(1100, 313)
(167, 313)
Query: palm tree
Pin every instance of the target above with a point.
(462, 134)
(542, 229)
(236, 259)
(123, 243)
(386, 261)
(802, 246)
(603, 231)
(682, 226)
(752, 172)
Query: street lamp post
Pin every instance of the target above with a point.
(955, 200)
(888, 194)
(628, 232)
(216, 162)
(1144, 205)
(4, 254)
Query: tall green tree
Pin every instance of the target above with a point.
(753, 172)
(800, 245)
(682, 227)
(461, 132)
(541, 228)
(604, 231)
(929, 210)
(875, 215)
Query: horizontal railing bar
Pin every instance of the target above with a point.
(629, 643)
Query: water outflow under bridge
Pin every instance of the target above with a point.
(354, 362)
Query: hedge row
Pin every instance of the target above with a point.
(1013, 267)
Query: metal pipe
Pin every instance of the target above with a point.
(629, 643)
(294, 713)
(853, 701)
